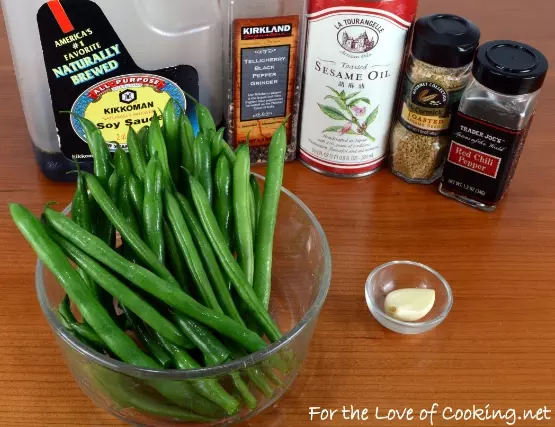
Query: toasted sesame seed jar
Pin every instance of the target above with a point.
(438, 71)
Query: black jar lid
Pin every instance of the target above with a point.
(447, 41)
(510, 68)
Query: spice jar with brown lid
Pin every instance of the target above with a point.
(438, 71)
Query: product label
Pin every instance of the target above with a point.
(264, 81)
(428, 106)
(482, 159)
(91, 74)
(354, 59)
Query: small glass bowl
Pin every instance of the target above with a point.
(402, 275)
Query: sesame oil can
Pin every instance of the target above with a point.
(354, 57)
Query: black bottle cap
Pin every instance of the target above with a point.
(510, 68)
(447, 41)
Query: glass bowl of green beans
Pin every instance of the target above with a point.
(301, 274)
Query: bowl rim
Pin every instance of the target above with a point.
(216, 371)
(374, 307)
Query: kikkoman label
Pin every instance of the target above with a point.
(353, 63)
(91, 74)
(123, 101)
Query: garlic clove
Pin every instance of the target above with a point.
(410, 304)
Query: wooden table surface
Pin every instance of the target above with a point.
(497, 347)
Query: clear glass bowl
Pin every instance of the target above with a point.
(300, 282)
(401, 275)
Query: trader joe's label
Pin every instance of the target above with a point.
(482, 159)
(265, 74)
(354, 58)
(91, 74)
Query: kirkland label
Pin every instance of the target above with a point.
(482, 159)
(265, 66)
(91, 74)
(264, 82)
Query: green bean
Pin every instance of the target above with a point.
(153, 284)
(197, 152)
(268, 370)
(210, 262)
(130, 299)
(81, 330)
(105, 298)
(223, 200)
(215, 353)
(113, 191)
(137, 154)
(268, 217)
(126, 208)
(113, 186)
(209, 388)
(65, 310)
(187, 137)
(217, 143)
(259, 380)
(81, 213)
(102, 170)
(243, 390)
(93, 312)
(204, 340)
(90, 283)
(123, 164)
(171, 134)
(143, 140)
(176, 262)
(125, 204)
(257, 197)
(242, 214)
(190, 253)
(128, 234)
(205, 119)
(153, 209)
(99, 150)
(137, 194)
(149, 342)
(252, 215)
(253, 372)
(69, 329)
(124, 391)
(81, 205)
(183, 394)
(228, 153)
(228, 262)
(157, 144)
(205, 169)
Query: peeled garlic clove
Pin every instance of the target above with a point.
(410, 305)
